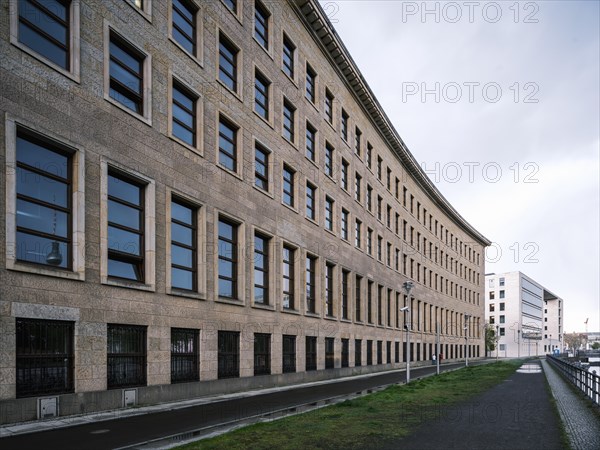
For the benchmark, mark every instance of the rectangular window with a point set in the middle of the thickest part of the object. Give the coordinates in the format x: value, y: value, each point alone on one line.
x: 345, y: 352
x: 329, y: 283
x: 358, y: 234
x: 311, y: 201
x: 311, y: 142
x: 388, y: 217
x: 329, y: 213
x: 357, y: 352
x: 501, y: 306
x: 126, y: 74
x: 311, y: 353
x: 262, y: 354
x: 44, y: 27
x: 288, y: 277
x: 289, y: 49
x: 311, y: 79
x: 345, y: 294
x: 357, y: 139
x: 44, y: 357
x: 184, y: 114
x: 357, y: 187
x: 501, y: 294
x: 329, y: 106
x: 380, y: 305
x: 388, y: 352
x: 369, y: 155
x: 261, y: 269
x: 370, y: 301
x: 379, y: 165
x: 502, y: 319
x: 311, y: 281
x: 288, y: 186
x: 389, y: 254
x: 44, y: 203
x: 261, y: 95
x: 126, y: 356
x: 228, y: 354
x: 369, y: 241
x: 231, y: 4
x: 261, y: 167
x: 184, y: 245
x: 380, y: 208
x: 379, y: 352
x: 379, y: 248
x: 329, y: 159
x: 345, y: 220
x: 184, y: 24
x: 288, y: 121
x: 501, y: 282
x: 369, y: 353
x: 358, y: 298
x: 261, y: 24
x: 228, y: 63
x: 289, y: 354
x: 345, y: 118
x: 228, y: 144
x: 228, y: 259
x: 397, y: 351
x: 185, y: 360
x: 329, y: 353
x: 345, y: 168
x: 369, y: 198
x: 125, y: 228
x: 389, y: 179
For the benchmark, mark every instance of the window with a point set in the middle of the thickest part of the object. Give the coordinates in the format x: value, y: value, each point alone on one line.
x: 369, y: 198
x: 261, y: 167
x: 228, y: 259
x: 370, y: 301
x: 185, y: 361
x: 261, y: 269
x: 369, y: 353
x: 184, y: 24
x: 262, y: 354
x: 288, y: 186
x: 379, y: 352
x: 501, y: 282
x: 329, y: 213
x: 357, y: 187
x: 329, y: 283
x: 369, y: 241
x: 289, y: 50
x: 357, y: 137
x: 389, y: 179
x: 329, y: 106
x: 502, y: 331
x: 231, y: 4
x: 311, y: 353
x: 289, y: 354
x: 501, y: 294
x: 389, y: 254
x: 228, y: 144
x: 125, y: 228
x: 369, y: 155
x: 345, y: 352
x: 345, y: 220
x: 311, y: 79
x: 492, y: 320
x: 126, y: 71
x: 311, y: 295
x: 492, y: 295
x: 184, y: 245
x: 389, y: 216
x: 44, y: 357
x: 345, y: 125
x: 345, y: 167
x: 228, y: 63
x: 261, y: 24
x: 43, y: 203
x: 228, y: 354
x: 388, y: 351
x: 492, y: 307
x: 183, y: 120
x: 379, y: 165
x: 329, y: 159
x: 126, y: 356
x: 501, y: 306
x: 379, y: 208
x: 311, y: 199
x: 358, y: 234
x: 380, y: 305
x: 357, y: 352
x: 47, y: 29
x: 261, y: 95
x: 288, y: 277
x: 345, y: 294
x: 289, y: 113
x: 311, y: 135
x: 329, y: 353
x: 491, y: 281
x: 397, y: 351
x: 502, y: 319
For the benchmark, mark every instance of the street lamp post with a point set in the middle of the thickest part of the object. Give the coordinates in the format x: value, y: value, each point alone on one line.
x: 467, y: 317
x: 408, y: 287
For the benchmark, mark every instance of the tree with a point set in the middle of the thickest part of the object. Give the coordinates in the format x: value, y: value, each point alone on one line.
x: 490, y: 338
x: 596, y: 345
x: 575, y: 341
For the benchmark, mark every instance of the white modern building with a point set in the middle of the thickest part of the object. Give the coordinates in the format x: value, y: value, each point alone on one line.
x: 527, y: 317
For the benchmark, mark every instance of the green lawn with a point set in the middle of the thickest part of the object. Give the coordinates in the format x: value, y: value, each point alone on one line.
x: 363, y: 422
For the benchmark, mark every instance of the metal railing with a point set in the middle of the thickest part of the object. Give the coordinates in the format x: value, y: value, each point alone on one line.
x: 586, y: 381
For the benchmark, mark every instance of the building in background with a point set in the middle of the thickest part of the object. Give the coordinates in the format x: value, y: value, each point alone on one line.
x: 206, y: 197
x: 527, y: 317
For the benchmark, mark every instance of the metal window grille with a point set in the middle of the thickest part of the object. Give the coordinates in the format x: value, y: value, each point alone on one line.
x: 126, y: 356
x: 329, y: 353
x: 311, y: 353
x: 389, y: 352
x: 44, y: 354
x: 345, y: 352
x: 369, y: 353
x: 289, y: 354
x: 379, y: 352
x: 229, y: 354
x: 184, y: 355
x: 262, y: 354
x: 357, y: 352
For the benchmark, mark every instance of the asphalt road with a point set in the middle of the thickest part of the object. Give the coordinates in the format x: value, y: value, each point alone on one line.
x: 126, y: 431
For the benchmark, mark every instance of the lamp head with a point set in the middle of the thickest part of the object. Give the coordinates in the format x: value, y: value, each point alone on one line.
x: 408, y: 286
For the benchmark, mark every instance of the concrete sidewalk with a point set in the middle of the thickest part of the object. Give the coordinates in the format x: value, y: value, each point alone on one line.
x: 516, y: 414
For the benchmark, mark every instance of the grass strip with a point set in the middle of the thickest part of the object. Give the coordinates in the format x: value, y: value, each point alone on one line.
x: 381, y: 417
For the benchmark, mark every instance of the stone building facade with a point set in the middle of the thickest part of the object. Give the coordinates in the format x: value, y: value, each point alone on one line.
x: 203, y: 197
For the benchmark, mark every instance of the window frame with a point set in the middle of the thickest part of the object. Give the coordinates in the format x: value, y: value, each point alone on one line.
x: 312, y: 201
x: 141, y: 356
x: 311, y: 265
x: 268, y: 255
x: 294, y: 57
x: 198, y: 39
x: 293, y: 277
x: 310, y: 91
x: 287, y: 105
x: 198, y: 146
x: 238, y: 273
x: 286, y: 340
x: 193, y: 356
x: 294, y: 182
x: 262, y: 367
x: 238, y: 144
x: 258, y: 75
x: 268, y: 167
x: 238, y: 64
x: 228, y: 360
x: 267, y: 46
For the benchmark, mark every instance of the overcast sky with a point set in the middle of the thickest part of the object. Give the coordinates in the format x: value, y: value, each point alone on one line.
x: 512, y: 139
